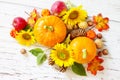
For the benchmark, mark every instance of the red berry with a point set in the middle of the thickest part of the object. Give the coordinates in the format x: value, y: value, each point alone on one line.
x: 19, y: 23
x: 91, y: 34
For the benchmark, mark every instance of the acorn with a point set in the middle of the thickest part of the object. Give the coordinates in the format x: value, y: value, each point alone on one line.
x: 99, y: 43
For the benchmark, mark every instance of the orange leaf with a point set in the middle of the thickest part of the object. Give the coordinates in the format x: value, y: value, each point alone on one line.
x: 100, y: 22
x: 95, y: 65
x: 45, y: 12
x: 105, y: 27
x: 106, y: 20
x: 91, y: 34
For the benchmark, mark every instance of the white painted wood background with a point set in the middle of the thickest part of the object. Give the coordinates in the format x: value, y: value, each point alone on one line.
x: 14, y: 66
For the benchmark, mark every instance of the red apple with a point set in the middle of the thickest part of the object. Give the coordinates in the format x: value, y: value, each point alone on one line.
x: 58, y: 6
x: 19, y: 23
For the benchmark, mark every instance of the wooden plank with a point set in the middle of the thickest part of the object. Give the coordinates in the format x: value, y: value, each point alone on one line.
x: 13, y: 56
x: 107, y: 8
x: 15, y: 66
x: 10, y: 9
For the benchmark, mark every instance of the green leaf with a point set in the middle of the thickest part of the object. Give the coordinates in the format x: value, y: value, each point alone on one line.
x: 39, y: 53
x: 36, y: 51
x: 79, y: 69
x: 28, y: 27
x: 41, y: 58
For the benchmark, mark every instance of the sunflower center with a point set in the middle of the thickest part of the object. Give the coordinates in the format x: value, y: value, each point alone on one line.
x: 73, y: 15
x: 63, y: 55
x: 26, y: 36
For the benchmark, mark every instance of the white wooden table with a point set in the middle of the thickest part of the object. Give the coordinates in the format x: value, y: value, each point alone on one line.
x: 14, y: 66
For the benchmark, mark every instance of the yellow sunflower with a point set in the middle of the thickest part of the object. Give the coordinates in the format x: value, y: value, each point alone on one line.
x: 62, y: 55
x: 74, y: 15
x: 25, y: 38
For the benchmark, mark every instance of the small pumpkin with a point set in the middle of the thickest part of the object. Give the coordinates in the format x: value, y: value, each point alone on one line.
x: 84, y: 49
x: 49, y: 30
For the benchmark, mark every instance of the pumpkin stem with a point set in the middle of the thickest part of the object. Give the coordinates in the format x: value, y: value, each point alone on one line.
x: 84, y: 53
x: 50, y: 28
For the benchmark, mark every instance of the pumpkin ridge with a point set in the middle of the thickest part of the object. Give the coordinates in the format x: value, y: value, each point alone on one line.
x: 56, y: 21
x: 50, y: 38
x: 80, y: 43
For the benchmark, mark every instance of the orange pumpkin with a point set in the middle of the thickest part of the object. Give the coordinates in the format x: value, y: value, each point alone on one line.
x: 49, y: 30
x: 84, y: 49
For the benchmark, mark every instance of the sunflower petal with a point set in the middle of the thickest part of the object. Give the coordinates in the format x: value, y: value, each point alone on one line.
x: 62, y: 55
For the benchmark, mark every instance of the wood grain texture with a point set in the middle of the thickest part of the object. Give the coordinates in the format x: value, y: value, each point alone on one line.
x: 14, y: 66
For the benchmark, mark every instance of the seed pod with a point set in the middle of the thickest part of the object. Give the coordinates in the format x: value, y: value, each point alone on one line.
x: 77, y: 32
x: 99, y: 43
x: 62, y: 69
x: 50, y: 61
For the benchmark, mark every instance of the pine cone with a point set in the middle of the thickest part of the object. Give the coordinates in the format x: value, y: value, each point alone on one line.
x: 77, y: 32
x: 50, y: 61
x: 62, y: 69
